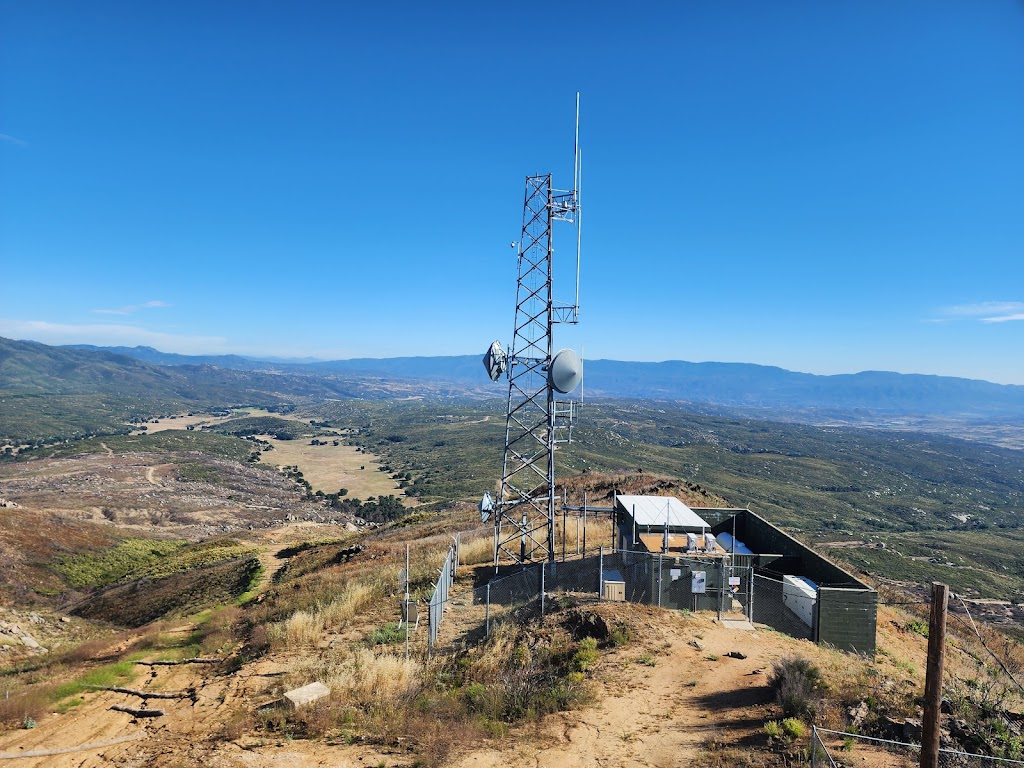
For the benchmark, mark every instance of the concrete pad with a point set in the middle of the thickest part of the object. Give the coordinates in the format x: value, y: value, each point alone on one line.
x: 307, y: 694
x: 741, y: 624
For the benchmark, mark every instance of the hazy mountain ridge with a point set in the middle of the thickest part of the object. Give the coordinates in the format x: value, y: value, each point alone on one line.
x: 745, y: 385
x: 51, y: 393
x: 156, y: 357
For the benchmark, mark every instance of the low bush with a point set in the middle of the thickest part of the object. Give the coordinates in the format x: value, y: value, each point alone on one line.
x: 585, y: 655
x: 792, y: 728
x: 798, y: 686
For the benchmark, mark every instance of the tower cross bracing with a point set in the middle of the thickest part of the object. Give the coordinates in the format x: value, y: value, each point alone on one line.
x: 534, y: 418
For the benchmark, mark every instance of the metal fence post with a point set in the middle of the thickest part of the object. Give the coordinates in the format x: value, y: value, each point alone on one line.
x: 721, y: 587
x: 814, y: 747
x: 600, y: 570
x: 661, y: 557
x: 542, y: 569
x: 750, y: 599
x: 487, y: 613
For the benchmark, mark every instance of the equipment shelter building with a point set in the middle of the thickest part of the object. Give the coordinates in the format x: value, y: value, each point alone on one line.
x: 786, y: 584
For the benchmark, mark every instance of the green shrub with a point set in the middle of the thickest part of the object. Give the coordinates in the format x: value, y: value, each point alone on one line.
x: 918, y: 627
x: 789, y: 730
x: 585, y: 656
x: 792, y: 728
x: 620, y: 634
x: 106, y: 567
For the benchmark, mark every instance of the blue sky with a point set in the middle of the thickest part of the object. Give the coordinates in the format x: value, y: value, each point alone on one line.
x: 828, y: 187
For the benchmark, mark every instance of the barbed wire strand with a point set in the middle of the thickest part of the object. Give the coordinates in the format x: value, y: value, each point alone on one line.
x: 982, y: 639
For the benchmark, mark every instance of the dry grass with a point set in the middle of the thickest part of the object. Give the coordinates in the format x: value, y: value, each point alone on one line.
x: 330, y: 467
x: 326, y: 467
x: 183, y: 421
x: 367, y: 680
x: 476, y: 551
x: 28, y: 704
x: 307, y: 627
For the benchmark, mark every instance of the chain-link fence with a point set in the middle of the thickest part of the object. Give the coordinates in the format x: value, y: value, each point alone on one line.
x: 682, y: 583
x: 439, y: 597
x: 837, y: 749
x: 788, y: 604
x: 667, y: 581
x: 784, y: 606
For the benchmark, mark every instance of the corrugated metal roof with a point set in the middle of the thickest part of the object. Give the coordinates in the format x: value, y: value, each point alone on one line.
x: 655, y: 510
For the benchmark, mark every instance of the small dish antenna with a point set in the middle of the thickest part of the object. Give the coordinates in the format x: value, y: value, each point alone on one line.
x: 565, y: 372
x: 486, y: 507
x: 495, y: 361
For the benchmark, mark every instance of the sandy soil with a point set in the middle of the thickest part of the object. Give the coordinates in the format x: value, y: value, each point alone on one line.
x: 658, y: 701
x: 182, y: 421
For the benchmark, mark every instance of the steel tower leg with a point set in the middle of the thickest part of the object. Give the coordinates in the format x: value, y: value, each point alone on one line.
x: 526, y: 503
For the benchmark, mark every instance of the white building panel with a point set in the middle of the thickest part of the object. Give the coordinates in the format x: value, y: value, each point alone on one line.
x: 800, y: 595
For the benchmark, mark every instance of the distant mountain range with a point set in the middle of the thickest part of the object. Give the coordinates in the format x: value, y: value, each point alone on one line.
x: 737, y: 385
x: 28, y: 367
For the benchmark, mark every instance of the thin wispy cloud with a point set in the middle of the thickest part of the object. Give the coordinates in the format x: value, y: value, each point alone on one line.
x: 112, y: 335
x: 133, y: 308
x: 6, y: 137
x: 1003, y: 318
x: 989, y: 311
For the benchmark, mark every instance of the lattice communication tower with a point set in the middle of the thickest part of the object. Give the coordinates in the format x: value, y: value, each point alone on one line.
x: 536, y: 420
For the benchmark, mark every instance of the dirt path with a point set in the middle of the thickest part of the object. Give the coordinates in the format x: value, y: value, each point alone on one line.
x: 656, y: 706
x: 106, y: 448
x: 271, y: 565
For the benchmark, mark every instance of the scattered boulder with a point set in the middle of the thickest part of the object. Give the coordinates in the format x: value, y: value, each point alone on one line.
x: 697, y: 644
x: 856, y: 715
x: 587, y: 624
x: 912, y: 730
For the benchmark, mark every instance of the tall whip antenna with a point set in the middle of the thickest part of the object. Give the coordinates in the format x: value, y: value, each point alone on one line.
x: 577, y: 184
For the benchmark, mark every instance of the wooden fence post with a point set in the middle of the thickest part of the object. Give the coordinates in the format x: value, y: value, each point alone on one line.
x: 933, y: 676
